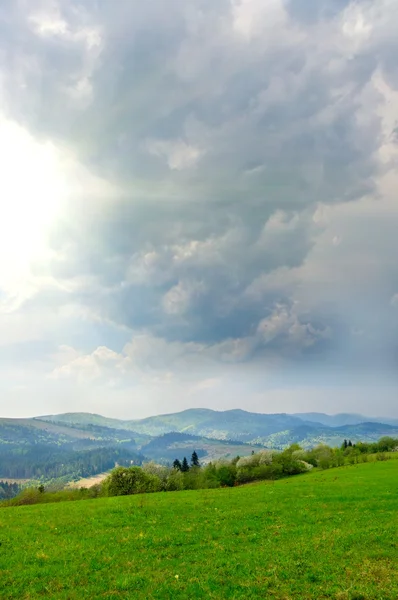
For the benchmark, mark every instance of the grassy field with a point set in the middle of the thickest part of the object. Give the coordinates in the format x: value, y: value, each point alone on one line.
x: 330, y: 534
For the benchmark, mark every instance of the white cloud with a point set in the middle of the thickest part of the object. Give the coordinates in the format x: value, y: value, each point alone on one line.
x: 254, y: 17
x: 178, y: 154
x: 178, y: 300
x: 285, y: 323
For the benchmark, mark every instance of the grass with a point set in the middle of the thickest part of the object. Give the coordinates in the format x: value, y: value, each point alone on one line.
x: 331, y: 534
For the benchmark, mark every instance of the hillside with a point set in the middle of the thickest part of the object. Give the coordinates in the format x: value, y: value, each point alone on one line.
x: 173, y: 445
x: 228, y: 425
x: 271, y: 430
x: 37, y: 449
x: 79, y: 445
x: 329, y: 534
x: 310, y: 434
x: 33, y: 449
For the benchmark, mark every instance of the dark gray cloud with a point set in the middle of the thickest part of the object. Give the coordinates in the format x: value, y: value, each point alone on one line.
x: 311, y: 11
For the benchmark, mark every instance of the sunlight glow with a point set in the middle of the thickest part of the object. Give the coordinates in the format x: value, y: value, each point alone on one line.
x: 32, y: 191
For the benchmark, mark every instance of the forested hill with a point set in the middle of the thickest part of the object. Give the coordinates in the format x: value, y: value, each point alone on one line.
x: 74, y: 445
x: 36, y: 449
x: 239, y: 425
x: 32, y: 449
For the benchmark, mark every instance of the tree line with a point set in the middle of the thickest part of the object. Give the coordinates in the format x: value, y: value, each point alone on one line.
x: 9, y: 490
x: 44, y: 463
x: 184, y: 475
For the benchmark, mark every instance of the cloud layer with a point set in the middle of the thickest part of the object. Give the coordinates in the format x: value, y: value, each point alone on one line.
x: 197, y: 192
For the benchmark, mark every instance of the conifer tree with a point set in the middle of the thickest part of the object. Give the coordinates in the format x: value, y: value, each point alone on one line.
x: 185, y: 465
x: 350, y: 443
x: 177, y: 465
x: 195, y: 459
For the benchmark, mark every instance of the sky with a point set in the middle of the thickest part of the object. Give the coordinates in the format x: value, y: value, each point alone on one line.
x: 198, y: 206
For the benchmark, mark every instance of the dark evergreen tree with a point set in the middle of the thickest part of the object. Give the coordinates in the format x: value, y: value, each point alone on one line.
x: 177, y: 465
x: 345, y: 444
x: 349, y: 443
x: 195, y: 459
x: 185, y: 465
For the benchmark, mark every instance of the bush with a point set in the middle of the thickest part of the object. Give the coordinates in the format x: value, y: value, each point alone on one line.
x: 175, y: 481
x: 124, y: 481
x: 381, y: 456
x: 306, y: 465
x: 324, y: 462
x: 263, y: 472
x: 27, y: 496
x: 226, y: 474
x: 244, y: 474
x: 35, y: 496
x: 385, y: 444
x: 209, y: 474
x: 160, y: 471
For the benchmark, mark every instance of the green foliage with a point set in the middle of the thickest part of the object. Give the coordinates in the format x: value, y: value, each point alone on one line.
x: 175, y: 481
x: 226, y: 474
x: 131, y: 480
x: 263, y: 465
x: 35, y: 496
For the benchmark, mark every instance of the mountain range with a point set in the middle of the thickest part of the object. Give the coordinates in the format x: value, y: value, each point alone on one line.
x: 242, y: 426
x: 73, y: 445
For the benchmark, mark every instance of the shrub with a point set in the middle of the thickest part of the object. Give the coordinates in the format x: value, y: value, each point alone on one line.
x: 381, y: 456
x: 262, y: 472
x: 124, y: 481
x: 175, y: 481
x: 265, y: 457
x: 244, y: 474
x: 27, y: 496
x: 385, y: 444
x: 324, y: 462
x: 247, y: 461
x: 226, y: 474
x: 209, y: 474
x: 160, y: 471
x: 306, y: 465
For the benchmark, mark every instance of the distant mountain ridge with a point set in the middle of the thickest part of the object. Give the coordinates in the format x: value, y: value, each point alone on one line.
x: 234, y: 424
x: 343, y: 419
x: 74, y: 445
x: 243, y: 426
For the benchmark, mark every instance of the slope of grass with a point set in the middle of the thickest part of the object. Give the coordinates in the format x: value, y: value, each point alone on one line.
x: 329, y: 534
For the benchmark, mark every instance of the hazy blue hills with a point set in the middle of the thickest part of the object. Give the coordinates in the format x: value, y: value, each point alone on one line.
x: 243, y: 426
x: 73, y: 445
x: 343, y: 419
x: 236, y: 425
x: 67, y: 450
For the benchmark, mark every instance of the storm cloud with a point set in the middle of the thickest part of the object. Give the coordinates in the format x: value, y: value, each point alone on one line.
x: 227, y: 175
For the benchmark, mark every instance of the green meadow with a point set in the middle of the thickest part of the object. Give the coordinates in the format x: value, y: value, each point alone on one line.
x: 325, y: 534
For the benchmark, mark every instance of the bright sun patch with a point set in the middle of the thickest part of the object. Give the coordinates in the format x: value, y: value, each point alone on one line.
x: 32, y: 191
